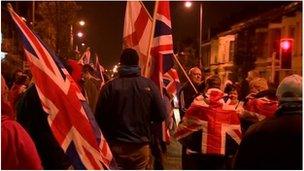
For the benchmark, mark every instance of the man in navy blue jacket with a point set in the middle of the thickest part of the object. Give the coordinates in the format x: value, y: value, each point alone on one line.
x: 126, y: 109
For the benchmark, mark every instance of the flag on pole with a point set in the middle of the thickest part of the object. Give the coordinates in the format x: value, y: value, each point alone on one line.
x: 161, y: 54
x: 99, y: 70
x: 161, y: 58
x: 85, y: 58
x: 137, y: 30
x: 171, y: 82
x: 70, y: 119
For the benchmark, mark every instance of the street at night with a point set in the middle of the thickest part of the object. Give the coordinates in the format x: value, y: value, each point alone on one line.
x: 151, y: 85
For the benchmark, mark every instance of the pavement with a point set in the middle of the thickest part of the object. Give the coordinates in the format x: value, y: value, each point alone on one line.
x: 172, y: 158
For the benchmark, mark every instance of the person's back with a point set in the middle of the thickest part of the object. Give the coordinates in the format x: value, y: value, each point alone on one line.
x: 276, y: 143
x: 32, y: 117
x: 126, y: 109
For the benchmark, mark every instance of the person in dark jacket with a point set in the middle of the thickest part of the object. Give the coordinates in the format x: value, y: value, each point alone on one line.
x: 186, y: 96
x: 33, y: 118
x: 276, y: 143
x: 126, y: 109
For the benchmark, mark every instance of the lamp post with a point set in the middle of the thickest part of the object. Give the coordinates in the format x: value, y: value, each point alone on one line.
x: 79, y: 34
x: 188, y: 4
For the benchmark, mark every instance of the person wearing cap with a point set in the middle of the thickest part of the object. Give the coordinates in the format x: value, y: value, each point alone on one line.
x: 126, y: 109
x: 276, y: 143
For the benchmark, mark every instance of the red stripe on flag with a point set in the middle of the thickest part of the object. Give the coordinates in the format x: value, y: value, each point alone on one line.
x: 91, y: 158
x: 163, y: 9
x: 140, y: 25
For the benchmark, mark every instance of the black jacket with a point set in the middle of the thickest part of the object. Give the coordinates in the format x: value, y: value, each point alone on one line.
x: 274, y: 143
x: 32, y: 117
x: 127, y: 106
x: 186, y: 96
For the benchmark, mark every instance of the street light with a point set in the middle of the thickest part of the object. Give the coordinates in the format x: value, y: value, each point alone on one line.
x: 82, y: 44
x: 188, y: 4
x: 81, y: 22
x: 80, y: 34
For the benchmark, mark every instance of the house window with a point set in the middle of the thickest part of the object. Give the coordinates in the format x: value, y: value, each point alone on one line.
x: 231, y: 50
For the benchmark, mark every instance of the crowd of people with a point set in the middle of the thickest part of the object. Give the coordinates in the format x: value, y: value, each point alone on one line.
x: 131, y: 114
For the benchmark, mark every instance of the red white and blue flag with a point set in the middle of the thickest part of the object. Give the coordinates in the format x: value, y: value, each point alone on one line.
x: 70, y: 117
x: 85, y: 58
x: 161, y: 59
x: 171, y: 82
x: 216, y: 119
x: 161, y: 55
x: 99, y: 70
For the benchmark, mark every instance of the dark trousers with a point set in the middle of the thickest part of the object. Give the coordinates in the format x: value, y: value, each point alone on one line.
x: 131, y: 156
x: 202, y: 162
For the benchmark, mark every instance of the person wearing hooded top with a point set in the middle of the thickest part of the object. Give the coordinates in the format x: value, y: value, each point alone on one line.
x: 276, y: 143
x: 127, y: 107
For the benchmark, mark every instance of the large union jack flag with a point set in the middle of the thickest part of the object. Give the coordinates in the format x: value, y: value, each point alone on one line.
x: 216, y: 119
x: 70, y: 118
x: 161, y: 55
x: 161, y: 60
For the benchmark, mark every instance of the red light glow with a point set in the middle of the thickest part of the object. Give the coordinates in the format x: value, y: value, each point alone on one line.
x: 285, y: 45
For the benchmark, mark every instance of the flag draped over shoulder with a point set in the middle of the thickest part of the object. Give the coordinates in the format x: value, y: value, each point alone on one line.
x: 137, y: 31
x: 216, y: 120
x: 70, y: 119
x: 262, y: 107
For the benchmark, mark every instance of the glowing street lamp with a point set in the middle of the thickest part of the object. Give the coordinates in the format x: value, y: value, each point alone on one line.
x: 81, y: 22
x: 82, y: 44
x: 80, y: 34
x: 188, y: 4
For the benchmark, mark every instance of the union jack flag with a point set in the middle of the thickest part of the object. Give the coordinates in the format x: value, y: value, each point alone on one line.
x: 99, y: 70
x: 171, y: 82
x: 160, y: 60
x: 70, y: 118
x: 85, y: 58
x: 137, y: 31
x: 216, y: 119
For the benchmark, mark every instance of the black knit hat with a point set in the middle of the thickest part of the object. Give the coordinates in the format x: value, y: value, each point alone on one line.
x: 129, y: 57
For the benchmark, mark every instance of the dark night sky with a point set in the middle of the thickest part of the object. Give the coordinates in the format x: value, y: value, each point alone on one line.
x: 105, y: 21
